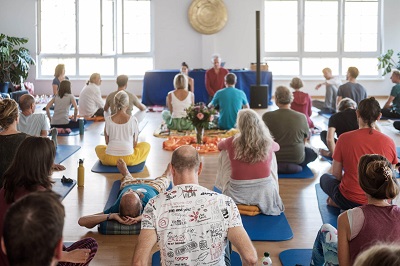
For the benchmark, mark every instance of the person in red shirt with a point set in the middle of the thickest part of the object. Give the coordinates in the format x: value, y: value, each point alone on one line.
x: 215, y: 77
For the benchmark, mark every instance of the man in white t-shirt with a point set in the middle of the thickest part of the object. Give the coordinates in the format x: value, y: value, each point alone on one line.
x: 191, y: 223
x: 29, y: 122
x: 90, y: 102
x: 331, y: 84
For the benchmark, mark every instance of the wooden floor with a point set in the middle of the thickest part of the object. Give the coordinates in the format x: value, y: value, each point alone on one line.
x: 298, y: 195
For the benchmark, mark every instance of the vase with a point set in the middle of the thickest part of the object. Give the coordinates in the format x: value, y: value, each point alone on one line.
x: 199, y: 134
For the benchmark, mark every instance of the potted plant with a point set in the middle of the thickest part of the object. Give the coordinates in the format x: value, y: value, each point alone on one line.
x: 15, y: 61
x: 387, y: 63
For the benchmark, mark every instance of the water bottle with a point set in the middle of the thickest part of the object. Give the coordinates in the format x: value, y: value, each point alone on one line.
x: 266, y: 260
x: 81, y: 174
x: 81, y: 126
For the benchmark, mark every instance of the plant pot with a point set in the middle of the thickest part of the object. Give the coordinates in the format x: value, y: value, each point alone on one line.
x: 4, y: 87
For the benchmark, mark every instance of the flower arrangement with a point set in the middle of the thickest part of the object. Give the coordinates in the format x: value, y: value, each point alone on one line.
x: 200, y: 115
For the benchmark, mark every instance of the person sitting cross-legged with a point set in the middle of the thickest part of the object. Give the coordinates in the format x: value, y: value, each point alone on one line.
x: 229, y: 101
x: 133, y: 196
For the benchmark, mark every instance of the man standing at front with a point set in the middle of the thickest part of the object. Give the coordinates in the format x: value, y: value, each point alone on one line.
x: 191, y: 223
x: 229, y: 101
x: 215, y: 77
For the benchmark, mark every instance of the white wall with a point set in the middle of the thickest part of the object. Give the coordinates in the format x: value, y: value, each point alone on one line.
x: 175, y: 40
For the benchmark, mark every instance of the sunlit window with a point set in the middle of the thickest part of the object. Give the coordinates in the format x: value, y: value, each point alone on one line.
x: 110, y: 37
x: 322, y: 33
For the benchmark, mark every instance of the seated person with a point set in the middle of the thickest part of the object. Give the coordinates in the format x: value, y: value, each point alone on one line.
x: 247, y: 165
x: 185, y: 71
x: 343, y: 121
x: 121, y: 134
x: 351, y: 89
x: 31, y: 123
x: 342, y: 185
x: 122, y: 82
x: 362, y: 227
x: 90, y: 100
x: 62, y: 104
x: 290, y: 130
x: 33, y: 228
x: 301, y: 101
x: 215, y: 76
x: 34, y: 174
x: 379, y: 254
x: 59, y: 75
x: 392, y: 106
x: 331, y: 86
x: 178, y: 101
x: 229, y: 101
x: 132, y: 198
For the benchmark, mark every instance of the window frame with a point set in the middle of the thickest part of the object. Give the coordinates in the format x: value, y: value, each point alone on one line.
x: 119, y: 48
x: 340, y: 53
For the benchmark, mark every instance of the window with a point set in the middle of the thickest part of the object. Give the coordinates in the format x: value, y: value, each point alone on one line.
x: 314, y: 34
x: 110, y: 37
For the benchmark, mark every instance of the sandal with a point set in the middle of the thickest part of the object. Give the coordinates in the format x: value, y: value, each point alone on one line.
x: 66, y: 180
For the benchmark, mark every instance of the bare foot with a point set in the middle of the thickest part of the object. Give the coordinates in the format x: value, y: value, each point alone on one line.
x: 325, y: 153
x: 121, y: 165
x: 330, y: 202
x: 58, y: 167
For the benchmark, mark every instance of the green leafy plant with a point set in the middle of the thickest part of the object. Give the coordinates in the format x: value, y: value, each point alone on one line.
x: 386, y: 62
x: 15, y: 60
x: 200, y: 115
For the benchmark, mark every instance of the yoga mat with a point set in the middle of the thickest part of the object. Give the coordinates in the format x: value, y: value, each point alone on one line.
x: 389, y: 118
x: 98, y: 167
x: 65, y: 151
x: 306, y: 173
x: 62, y: 189
x: 398, y: 152
x: 325, y: 115
x: 329, y: 214
x: 235, y: 259
x: 75, y: 131
x: 292, y: 257
x: 266, y: 227
x: 328, y: 159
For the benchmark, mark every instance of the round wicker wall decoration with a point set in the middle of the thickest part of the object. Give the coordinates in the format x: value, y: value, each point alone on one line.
x: 208, y: 16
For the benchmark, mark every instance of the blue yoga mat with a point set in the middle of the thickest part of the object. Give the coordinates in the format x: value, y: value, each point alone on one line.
x: 328, y: 159
x: 266, y: 227
x: 306, y: 173
x: 98, y: 167
x: 113, y: 194
x: 398, y: 152
x: 62, y: 189
x: 235, y: 259
x: 75, y: 131
x: 326, y: 115
x: 292, y: 257
x: 65, y: 151
x: 329, y: 214
x: 391, y: 118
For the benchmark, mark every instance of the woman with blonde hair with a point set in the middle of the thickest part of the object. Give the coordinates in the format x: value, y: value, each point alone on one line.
x: 121, y: 135
x: 10, y: 137
x: 62, y: 104
x: 247, y: 166
x: 90, y: 101
x: 178, y: 101
x: 59, y: 75
x: 362, y: 227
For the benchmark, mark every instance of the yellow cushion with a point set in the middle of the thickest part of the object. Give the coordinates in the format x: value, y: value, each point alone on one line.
x: 248, y: 210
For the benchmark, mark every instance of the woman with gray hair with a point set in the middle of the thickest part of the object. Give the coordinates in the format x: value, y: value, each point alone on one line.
x: 248, y: 169
x: 290, y: 129
x: 343, y: 121
x: 121, y: 135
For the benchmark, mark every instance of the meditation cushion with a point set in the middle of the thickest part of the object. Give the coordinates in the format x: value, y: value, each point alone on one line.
x: 248, y: 210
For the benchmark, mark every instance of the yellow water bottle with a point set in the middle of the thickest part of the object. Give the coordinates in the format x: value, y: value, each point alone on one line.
x: 81, y: 174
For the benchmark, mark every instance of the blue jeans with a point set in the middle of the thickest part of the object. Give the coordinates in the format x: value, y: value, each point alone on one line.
x: 325, y: 247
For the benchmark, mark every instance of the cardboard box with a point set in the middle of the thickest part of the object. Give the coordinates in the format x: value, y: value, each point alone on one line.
x: 263, y: 67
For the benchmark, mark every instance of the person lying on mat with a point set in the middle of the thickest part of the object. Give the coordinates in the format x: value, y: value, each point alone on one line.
x: 362, y: 227
x: 247, y: 169
x: 121, y: 134
x: 62, y: 104
x: 290, y: 130
x: 133, y: 196
x: 194, y: 222
x: 342, y: 185
x: 343, y: 121
x: 229, y: 101
x: 178, y: 101
x: 33, y: 228
x: 30, y: 171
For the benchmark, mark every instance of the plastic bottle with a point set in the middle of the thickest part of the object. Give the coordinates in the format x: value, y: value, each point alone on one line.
x: 81, y: 174
x: 81, y: 126
x: 266, y: 260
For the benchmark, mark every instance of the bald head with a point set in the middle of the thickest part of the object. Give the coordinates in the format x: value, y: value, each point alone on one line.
x: 130, y: 205
x: 25, y: 102
x: 185, y: 158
